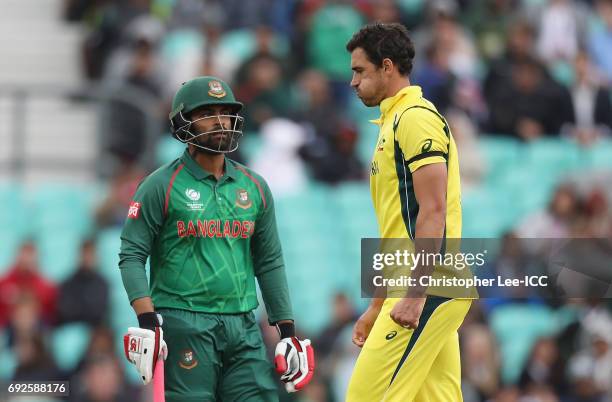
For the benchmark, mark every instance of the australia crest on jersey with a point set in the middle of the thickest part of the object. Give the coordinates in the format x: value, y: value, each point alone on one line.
x: 188, y: 360
x: 242, y: 199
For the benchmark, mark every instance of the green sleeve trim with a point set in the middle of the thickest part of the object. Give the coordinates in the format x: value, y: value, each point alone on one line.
x: 139, y: 233
x: 275, y: 293
x: 134, y: 280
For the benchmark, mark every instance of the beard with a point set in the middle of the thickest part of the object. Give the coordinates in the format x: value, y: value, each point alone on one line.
x: 216, y: 143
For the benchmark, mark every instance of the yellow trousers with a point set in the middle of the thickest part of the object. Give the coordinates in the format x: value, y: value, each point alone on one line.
x: 423, y: 365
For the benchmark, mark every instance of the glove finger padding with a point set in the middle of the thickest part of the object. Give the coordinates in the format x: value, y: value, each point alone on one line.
x: 294, y: 361
x: 143, y: 347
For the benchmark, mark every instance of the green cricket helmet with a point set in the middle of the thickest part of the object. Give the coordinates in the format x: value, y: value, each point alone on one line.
x: 199, y: 93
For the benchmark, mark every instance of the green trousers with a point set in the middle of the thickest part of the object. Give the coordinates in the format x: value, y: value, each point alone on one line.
x: 216, y: 357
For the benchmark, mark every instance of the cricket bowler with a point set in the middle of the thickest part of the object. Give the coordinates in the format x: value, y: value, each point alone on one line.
x: 410, y: 346
x: 208, y: 225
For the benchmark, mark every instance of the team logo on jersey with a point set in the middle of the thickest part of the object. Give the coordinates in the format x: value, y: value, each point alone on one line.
x: 380, y: 145
x: 242, y: 199
x: 188, y: 360
x: 192, y: 194
x: 133, y: 210
x: 216, y: 89
x: 391, y: 335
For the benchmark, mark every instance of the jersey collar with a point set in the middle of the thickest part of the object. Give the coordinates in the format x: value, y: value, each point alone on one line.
x: 199, y: 173
x: 409, y: 92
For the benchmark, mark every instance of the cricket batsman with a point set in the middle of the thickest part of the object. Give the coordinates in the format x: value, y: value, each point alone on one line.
x: 410, y: 346
x: 208, y: 225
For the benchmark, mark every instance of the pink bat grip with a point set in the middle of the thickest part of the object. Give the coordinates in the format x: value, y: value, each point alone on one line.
x: 158, y: 382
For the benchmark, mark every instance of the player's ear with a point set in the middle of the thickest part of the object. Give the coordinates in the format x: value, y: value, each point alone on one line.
x: 387, y: 65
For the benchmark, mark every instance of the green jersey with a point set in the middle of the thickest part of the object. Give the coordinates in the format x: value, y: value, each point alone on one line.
x: 208, y: 240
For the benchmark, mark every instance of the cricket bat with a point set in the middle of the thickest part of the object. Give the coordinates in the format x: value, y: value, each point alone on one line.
x: 158, y: 382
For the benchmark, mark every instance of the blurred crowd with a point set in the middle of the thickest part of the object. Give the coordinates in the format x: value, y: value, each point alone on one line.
x: 521, y: 68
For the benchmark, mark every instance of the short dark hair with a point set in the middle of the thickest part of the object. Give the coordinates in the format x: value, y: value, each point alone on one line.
x: 381, y: 41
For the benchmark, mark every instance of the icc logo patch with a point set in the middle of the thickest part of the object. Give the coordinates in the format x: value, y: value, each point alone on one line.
x: 192, y: 194
x: 242, y: 199
x: 188, y: 360
x: 216, y: 89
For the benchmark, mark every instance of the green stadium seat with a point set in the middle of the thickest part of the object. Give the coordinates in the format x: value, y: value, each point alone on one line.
x: 241, y: 44
x: 108, y: 245
x: 68, y: 343
x: 599, y: 155
x: 58, y: 254
x: 168, y: 149
x: 64, y: 207
x: 551, y: 154
x: 485, y: 214
x: 501, y: 155
x: 8, y: 362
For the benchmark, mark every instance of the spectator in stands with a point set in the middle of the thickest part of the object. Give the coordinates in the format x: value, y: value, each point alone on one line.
x: 102, y: 380
x: 34, y: 362
x: 101, y: 343
x: 562, y: 26
x: 544, y: 367
x: 507, y: 394
x: 25, y: 318
x: 556, y: 221
x: 471, y: 163
x: 315, y: 108
x: 600, y: 39
x: 591, y: 101
x: 281, y: 141
x: 262, y: 89
x: 84, y: 296
x: 343, y: 314
x: 532, y: 106
x: 434, y: 76
x: 519, y: 46
x: 596, y: 220
x: 332, y: 25
x: 335, y: 161
x: 385, y: 11
x: 480, y: 360
x: 489, y: 22
x: 25, y: 278
x: 109, y: 18
x: 450, y: 37
x: 134, y: 80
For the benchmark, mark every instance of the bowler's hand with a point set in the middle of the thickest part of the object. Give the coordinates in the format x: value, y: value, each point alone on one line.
x: 364, y: 325
x: 407, y: 312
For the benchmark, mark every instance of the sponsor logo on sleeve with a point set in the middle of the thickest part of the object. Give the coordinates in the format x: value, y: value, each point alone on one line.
x: 134, y: 210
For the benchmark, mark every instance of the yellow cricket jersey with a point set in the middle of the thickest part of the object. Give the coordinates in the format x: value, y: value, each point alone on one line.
x: 413, y: 134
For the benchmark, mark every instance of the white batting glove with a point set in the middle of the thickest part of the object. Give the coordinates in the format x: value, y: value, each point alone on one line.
x: 294, y: 361
x: 143, y: 347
